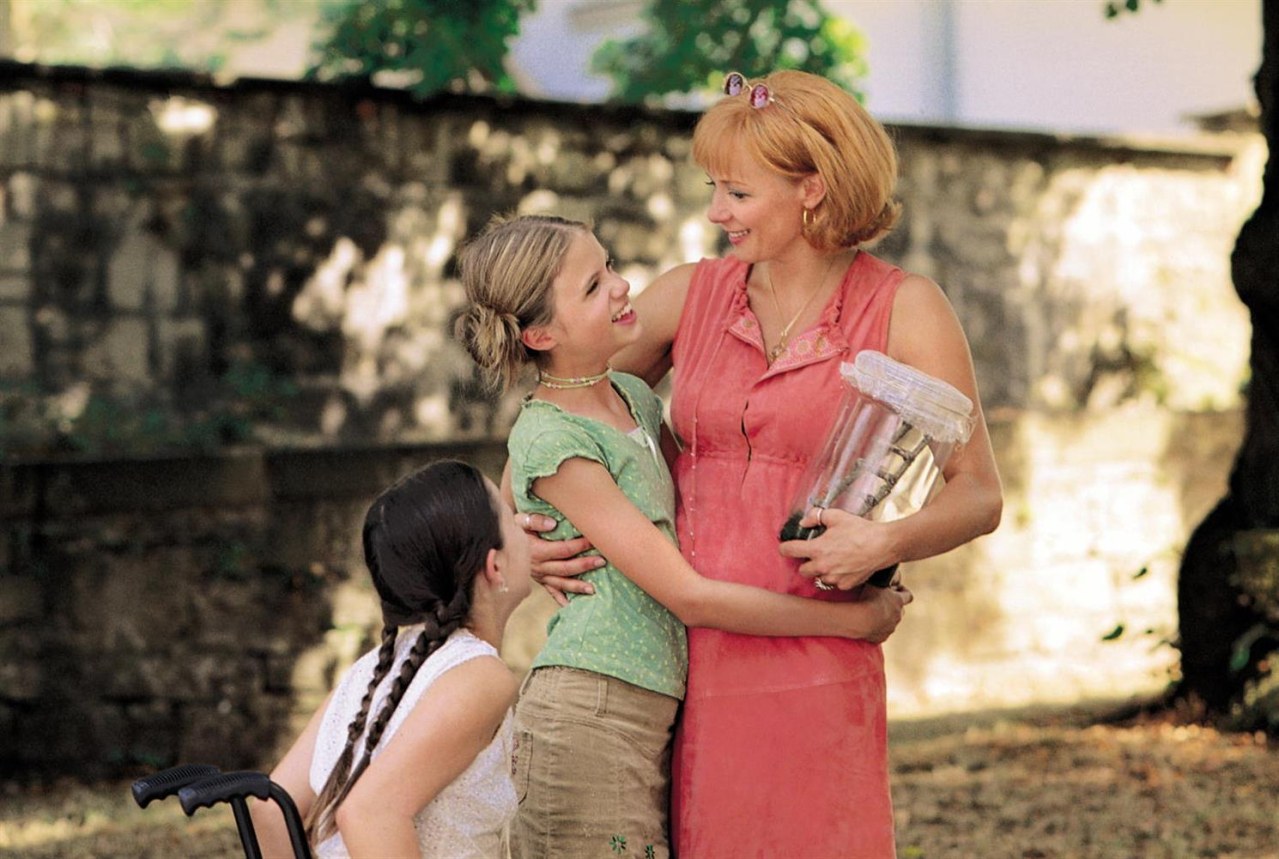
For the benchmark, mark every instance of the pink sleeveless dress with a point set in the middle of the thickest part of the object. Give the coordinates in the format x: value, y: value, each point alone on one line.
x: 782, y: 747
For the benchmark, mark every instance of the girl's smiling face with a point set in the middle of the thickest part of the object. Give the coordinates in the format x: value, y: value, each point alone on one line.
x: 593, y: 317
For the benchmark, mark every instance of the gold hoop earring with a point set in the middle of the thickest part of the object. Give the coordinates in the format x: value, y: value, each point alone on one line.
x: 807, y: 219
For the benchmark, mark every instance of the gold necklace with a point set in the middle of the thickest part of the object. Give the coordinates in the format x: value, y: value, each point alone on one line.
x: 780, y: 346
x: 559, y: 383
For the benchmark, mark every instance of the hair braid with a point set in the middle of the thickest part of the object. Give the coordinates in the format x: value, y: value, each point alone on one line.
x: 446, y: 619
x: 492, y: 338
x: 428, y: 641
x: 425, y: 542
x: 319, y: 823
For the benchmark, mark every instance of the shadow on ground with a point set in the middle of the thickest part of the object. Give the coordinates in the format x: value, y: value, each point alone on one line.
x: 1050, y: 784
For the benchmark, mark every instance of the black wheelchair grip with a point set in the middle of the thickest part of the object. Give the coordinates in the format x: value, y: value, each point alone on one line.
x: 166, y: 783
x: 223, y: 788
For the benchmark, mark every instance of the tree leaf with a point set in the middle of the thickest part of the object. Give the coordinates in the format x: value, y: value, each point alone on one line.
x: 690, y: 45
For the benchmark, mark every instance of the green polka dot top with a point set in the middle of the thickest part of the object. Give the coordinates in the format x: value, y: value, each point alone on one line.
x: 619, y: 631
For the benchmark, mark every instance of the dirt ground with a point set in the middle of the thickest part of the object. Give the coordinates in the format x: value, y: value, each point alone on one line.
x: 1053, y: 786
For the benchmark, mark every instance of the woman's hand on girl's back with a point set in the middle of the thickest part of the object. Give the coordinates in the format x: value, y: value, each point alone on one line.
x: 556, y: 564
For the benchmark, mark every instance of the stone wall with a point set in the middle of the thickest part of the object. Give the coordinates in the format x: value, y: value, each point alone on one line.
x: 184, y: 609
x: 184, y: 264
x: 179, y: 258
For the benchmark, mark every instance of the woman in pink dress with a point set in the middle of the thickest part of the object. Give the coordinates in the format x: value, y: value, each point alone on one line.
x: 782, y: 747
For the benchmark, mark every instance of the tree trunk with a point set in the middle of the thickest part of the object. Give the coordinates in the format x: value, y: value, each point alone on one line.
x: 1214, y: 611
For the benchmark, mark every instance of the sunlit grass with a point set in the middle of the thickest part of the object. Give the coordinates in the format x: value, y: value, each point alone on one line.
x: 1052, y: 788
x: 102, y: 820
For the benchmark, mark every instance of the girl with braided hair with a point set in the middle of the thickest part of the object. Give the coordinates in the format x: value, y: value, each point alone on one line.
x: 595, y: 715
x: 410, y: 755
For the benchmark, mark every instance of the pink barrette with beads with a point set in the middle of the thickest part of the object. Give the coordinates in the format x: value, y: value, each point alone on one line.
x: 735, y: 83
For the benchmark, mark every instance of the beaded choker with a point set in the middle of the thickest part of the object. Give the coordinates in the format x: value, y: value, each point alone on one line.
x: 562, y: 383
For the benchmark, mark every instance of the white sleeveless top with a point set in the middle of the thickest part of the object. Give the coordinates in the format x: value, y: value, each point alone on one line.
x: 469, y: 819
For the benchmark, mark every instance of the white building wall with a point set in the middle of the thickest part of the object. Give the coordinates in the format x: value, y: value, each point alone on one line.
x: 1055, y: 65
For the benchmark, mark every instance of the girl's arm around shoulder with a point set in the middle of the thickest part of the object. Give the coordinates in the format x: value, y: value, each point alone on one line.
x: 453, y: 721
x: 659, y: 308
x: 585, y: 492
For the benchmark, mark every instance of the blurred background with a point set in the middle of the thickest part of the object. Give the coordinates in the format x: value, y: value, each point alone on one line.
x: 227, y: 244
x: 1054, y: 66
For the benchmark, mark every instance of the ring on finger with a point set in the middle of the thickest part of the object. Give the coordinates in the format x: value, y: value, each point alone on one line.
x: 822, y: 586
x: 821, y: 511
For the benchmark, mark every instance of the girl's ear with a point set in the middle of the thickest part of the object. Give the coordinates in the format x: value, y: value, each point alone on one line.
x: 492, y: 571
x: 812, y: 190
x: 538, y: 338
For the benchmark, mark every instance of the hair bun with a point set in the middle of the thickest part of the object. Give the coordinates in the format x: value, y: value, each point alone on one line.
x: 492, y: 337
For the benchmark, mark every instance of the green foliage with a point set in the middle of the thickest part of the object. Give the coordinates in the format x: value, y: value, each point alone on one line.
x: 692, y: 44
x: 1241, y: 656
x: 144, y: 33
x: 434, y: 44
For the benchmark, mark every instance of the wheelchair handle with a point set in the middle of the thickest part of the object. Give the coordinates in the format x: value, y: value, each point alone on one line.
x: 166, y: 783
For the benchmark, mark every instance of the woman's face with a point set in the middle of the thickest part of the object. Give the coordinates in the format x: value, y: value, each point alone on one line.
x: 593, y: 315
x: 760, y: 210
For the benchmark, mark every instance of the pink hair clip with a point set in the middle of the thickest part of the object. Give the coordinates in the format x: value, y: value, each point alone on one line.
x: 735, y: 84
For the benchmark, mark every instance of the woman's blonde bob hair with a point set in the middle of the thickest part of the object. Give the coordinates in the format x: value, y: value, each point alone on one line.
x: 811, y: 126
x: 508, y: 271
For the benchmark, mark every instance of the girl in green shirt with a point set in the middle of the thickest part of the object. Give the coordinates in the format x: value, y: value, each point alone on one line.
x: 595, y: 715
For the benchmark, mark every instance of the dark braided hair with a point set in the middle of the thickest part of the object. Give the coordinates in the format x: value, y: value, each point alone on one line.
x: 425, y: 540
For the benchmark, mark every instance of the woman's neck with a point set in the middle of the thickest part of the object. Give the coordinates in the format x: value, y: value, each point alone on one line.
x: 796, y: 277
